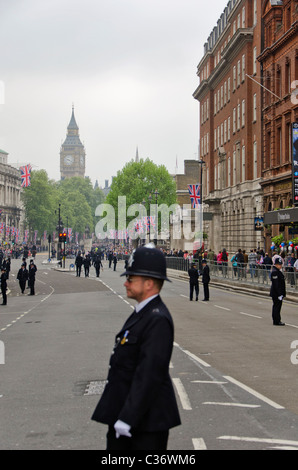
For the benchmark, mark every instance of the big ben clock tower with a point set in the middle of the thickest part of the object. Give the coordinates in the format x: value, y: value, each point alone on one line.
x: 72, y: 153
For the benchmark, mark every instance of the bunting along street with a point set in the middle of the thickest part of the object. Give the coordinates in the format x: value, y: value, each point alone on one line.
x: 235, y: 375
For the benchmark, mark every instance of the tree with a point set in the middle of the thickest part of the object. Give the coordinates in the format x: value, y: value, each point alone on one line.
x: 136, y: 181
x: 40, y: 201
x: 76, y: 195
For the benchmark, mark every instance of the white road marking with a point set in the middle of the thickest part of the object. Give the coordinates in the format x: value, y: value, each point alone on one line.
x: 182, y: 394
x: 199, y: 444
x: 213, y: 382
x: 260, y: 440
x: 250, y: 315
x: 196, y: 358
x: 255, y: 393
x: 237, y: 405
x: 222, y: 308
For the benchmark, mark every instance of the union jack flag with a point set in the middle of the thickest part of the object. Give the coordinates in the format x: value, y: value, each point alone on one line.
x: 195, y: 195
x: 26, y: 175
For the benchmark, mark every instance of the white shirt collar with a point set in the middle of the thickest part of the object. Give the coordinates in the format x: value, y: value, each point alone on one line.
x: 142, y: 304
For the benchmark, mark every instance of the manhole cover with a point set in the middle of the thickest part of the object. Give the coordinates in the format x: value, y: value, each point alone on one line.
x: 95, y: 387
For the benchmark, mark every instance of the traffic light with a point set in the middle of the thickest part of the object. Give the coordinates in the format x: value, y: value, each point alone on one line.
x: 62, y: 237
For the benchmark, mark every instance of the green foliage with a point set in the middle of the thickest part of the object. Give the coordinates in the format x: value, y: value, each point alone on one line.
x: 137, y: 180
x: 76, y: 195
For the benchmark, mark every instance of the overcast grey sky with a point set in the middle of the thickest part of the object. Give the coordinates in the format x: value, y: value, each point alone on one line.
x: 129, y: 67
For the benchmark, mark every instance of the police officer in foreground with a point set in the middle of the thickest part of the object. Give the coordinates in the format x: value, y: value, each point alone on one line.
x: 277, y: 291
x: 138, y: 403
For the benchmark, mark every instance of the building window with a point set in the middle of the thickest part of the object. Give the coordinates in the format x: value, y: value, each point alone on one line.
x: 238, y: 73
x: 278, y: 82
x: 229, y: 128
x: 278, y: 145
x: 255, y: 12
x: 238, y: 116
x: 255, y: 156
x: 243, y: 113
x: 215, y: 103
x: 288, y: 78
x: 243, y: 17
x: 243, y: 67
x: 234, y: 120
x: 215, y: 140
x: 225, y: 93
x: 234, y: 78
x: 268, y: 150
x: 255, y: 61
x: 243, y: 163
x: 229, y: 89
x: 288, y: 141
x: 225, y: 131
x: 229, y: 171
x: 255, y: 107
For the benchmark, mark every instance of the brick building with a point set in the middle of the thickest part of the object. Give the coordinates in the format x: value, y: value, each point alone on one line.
x: 229, y: 94
x: 279, y: 61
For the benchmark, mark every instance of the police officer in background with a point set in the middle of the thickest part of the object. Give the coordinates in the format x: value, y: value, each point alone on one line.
x: 138, y: 402
x: 3, y: 286
x: 277, y: 291
x: 193, y: 281
x: 205, y: 280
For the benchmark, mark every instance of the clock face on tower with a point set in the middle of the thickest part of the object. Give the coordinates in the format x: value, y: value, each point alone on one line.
x: 82, y: 161
x: 68, y: 160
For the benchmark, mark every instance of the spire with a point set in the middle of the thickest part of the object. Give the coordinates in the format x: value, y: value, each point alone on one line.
x: 72, y: 124
x: 137, y: 156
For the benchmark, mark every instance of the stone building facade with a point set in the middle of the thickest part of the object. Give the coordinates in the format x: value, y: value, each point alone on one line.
x: 230, y: 127
x: 10, y: 194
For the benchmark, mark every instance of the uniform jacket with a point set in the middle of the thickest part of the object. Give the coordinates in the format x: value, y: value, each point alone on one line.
x: 3, y: 282
x: 278, y: 286
x: 22, y: 274
x: 193, y: 275
x: 205, y: 275
x: 32, y: 272
x: 139, y: 389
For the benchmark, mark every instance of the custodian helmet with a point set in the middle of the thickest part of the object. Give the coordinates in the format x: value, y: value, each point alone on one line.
x: 148, y: 262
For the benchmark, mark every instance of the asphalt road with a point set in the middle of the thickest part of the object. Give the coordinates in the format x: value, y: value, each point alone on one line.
x: 234, y: 373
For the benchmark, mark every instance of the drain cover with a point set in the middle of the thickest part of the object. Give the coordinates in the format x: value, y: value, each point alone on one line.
x: 95, y: 387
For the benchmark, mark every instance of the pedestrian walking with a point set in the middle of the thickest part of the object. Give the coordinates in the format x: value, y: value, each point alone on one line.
x: 87, y: 264
x: 31, y: 276
x: 277, y: 291
x: 193, y: 281
x: 22, y: 277
x: 138, y: 403
x: 3, y: 286
x: 205, y: 280
x: 97, y: 265
x: 78, y: 263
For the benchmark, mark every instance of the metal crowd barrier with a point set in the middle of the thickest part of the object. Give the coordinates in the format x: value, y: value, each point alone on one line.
x: 245, y: 273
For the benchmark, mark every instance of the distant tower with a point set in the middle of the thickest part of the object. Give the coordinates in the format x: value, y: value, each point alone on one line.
x: 72, y: 153
x: 137, y: 156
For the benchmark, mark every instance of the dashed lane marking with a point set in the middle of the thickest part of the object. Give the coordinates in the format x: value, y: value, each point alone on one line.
x: 237, y: 405
x: 254, y: 393
x: 199, y: 444
x: 182, y: 394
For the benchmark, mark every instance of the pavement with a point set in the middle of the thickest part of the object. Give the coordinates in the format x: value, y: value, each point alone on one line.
x: 235, y: 375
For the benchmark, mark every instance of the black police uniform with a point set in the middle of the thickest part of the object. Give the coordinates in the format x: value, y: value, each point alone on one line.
x: 139, y: 391
x: 193, y: 282
x: 205, y: 281
x: 22, y: 278
x: 278, y: 289
x: 4, y: 287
